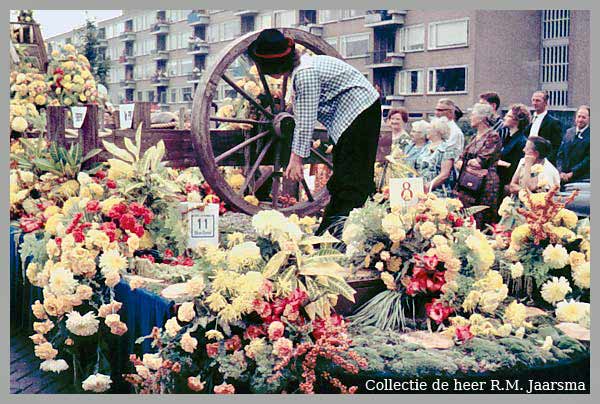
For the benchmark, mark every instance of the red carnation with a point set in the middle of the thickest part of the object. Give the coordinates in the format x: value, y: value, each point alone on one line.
x: 253, y: 331
x: 127, y: 222
x: 111, y: 184
x: 138, y: 229
x: 463, y: 332
x: 234, y: 343
x: 212, y: 350
x: 101, y: 174
x: 92, y: 206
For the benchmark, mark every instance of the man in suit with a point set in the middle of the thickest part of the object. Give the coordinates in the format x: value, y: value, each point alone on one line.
x: 574, y: 154
x: 544, y: 124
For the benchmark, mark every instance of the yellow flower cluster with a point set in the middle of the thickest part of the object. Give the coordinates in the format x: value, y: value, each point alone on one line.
x: 76, y: 85
x: 556, y: 256
x: 555, y: 289
x: 483, y: 252
x: 487, y: 293
x: 233, y: 293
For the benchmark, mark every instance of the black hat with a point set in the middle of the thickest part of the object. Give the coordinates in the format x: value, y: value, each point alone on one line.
x: 271, y: 47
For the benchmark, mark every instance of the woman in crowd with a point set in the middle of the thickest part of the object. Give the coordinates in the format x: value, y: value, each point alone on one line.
x: 415, y: 148
x: 397, y: 119
x: 515, y: 121
x: 478, y: 181
x: 534, y: 171
x: 437, y: 160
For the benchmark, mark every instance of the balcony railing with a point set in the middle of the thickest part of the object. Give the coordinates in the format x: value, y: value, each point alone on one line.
x: 194, y: 76
x: 378, y: 18
x: 160, y: 80
x: 160, y: 54
x: 127, y: 35
x: 386, y: 58
x: 127, y: 59
x: 160, y: 27
x: 197, y: 46
x: 128, y: 83
x: 198, y: 17
x: 102, y: 42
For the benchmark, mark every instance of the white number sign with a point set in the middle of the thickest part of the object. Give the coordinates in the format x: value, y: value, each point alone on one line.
x: 202, y: 224
x: 404, y: 191
x: 126, y: 115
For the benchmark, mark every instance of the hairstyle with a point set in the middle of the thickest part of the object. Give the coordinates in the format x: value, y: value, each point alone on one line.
x: 491, y: 97
x: 484, y: 111
x: 544, y: 93
x: 541, y: 145
x: 456, y: 111
x: 402, y: 111
x: 421, y: 126
x: 521, y: 114
x: 290, y: 62
x: 440, y: 125
x: 584, y: 107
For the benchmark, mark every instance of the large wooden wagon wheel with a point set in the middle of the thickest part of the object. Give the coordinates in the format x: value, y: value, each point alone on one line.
x: 262, y: 149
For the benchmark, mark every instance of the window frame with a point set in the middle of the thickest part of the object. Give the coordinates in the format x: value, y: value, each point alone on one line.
x: 404, y: 73
x: 435, y: 24
x: 320, y: 21
x: 342, y: 45
x: 429, y: 69
x: 403, y: 38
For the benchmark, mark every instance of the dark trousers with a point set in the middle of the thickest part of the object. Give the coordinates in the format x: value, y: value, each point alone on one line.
x: 353, y: 166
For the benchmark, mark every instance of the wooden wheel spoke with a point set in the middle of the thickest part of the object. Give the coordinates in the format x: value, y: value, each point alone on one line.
x: 247, y: 96
x: 276, y: 178
x: 259, y: 159
x: 238, y: 120
x: 240, y: 146
x: 322, y: 158
x: 307, y: 190
x: 263, y: 178
x: 263, y: 80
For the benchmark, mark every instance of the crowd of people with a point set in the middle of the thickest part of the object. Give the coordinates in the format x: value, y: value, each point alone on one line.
x: 505, y: 154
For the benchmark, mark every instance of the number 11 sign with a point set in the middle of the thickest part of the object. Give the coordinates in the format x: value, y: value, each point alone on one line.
x: 202, y: 224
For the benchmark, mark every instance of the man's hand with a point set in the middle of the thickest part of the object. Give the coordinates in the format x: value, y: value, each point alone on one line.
x: 295, y: 168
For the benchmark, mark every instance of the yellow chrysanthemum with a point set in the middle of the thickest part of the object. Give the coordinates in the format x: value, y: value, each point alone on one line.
x: 556, y: 256
x: 515, y: 314
x: 571, y: 311
x: 555, y: 289
x: 214, y: 335
x: 112, y: 260
x: 581, y: 275
x: 566, y: 218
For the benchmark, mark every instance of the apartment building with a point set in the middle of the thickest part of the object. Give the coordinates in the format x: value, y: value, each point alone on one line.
x: 414, y: 57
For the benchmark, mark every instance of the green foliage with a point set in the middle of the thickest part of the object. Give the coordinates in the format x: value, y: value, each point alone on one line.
x: 489, y: 353
x: 384, y: 311
x: 100, y: 66
x: 33, y: 247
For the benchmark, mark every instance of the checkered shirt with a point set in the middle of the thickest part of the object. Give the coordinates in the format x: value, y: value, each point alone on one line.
x: 330, y: 91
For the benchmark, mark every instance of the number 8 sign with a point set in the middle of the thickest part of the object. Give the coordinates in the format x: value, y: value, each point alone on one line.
x: 404, y: 191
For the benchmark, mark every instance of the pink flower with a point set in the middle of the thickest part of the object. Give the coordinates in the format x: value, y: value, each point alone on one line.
x: 276, y: 329
x: 463, y: 332
x: 437, y: 311
x: 212, y: 350
x: 283, y: 347
x: 224, y: 389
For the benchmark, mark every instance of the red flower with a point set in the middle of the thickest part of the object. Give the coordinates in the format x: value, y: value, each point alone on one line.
x: 148, y: 216
x: 191, y: 188
x: 29, y: 224
x: 212, y: 350
x: 78, y: 235
x: 117, y: 211
x: 148, y: 257
x: 110, y: 228
x: 127, y: 222
x: 137, y: 209
x: 92, y: 206
x: 319, y: 324
x: 253, y: 331
x: 101, y: 174
x: 234, y: 343
x: 430, y: 262
x: 437, y: 311
x: 212, y: 198
x: 168, y: 253
x: 111, y: 184
x: 138, y: 229
x: 463, y: 332
x: 262, y: 308
x: 224, y: 389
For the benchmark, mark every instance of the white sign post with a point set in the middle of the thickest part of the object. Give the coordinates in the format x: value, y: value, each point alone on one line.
x: 78, y: 114
x: 404, y: 191
x: 126, y: 115
x: 202, y: 223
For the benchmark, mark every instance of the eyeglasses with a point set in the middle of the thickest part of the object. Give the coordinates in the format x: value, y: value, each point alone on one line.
x: 442, y: 109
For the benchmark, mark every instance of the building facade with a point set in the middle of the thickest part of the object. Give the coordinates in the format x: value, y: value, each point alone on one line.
x: 414, y: 57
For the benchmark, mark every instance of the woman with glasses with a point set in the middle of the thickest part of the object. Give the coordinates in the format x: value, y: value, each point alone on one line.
x: 446, y: 108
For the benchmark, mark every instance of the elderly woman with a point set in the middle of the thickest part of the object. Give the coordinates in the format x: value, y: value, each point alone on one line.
x: 415, y: 148
x: 515, y: 122
x: 397, y: 119
x: 436, y: 161
x: 534, y: 171
x: 478, y: 181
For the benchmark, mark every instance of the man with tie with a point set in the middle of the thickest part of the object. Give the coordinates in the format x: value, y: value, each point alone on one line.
x: 544, y: 124
x: 574, y: 154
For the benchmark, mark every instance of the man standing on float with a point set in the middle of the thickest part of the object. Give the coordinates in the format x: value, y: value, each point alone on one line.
x: 330, y: 91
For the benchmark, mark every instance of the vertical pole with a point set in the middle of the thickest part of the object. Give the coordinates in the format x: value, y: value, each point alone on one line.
x: 141, y: 114
x: 55, y: 124
x: 88, y: 134
x: 181, y: 118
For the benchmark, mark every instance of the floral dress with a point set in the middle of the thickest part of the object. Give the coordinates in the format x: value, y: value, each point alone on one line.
x: 487, y: 150
x: 429, y: 166
x: 414, y: 153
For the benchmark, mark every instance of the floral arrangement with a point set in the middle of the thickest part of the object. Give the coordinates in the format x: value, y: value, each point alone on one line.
x: 70, y: 79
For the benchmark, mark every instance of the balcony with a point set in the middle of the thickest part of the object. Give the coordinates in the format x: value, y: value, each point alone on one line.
x: 198, y: 47
x: 160, y: 54
x: 160, y: 80
x: 385, y: 18
x: 102, y: 43
x: 315, y: 29
x: 127, y: 60
x: 385, y: 59
x: 160, y: 28
x: 245, y: 13
x: 128, y: 83
x: 127, y: 36
x: 194, y: 77
x: 198, y: 17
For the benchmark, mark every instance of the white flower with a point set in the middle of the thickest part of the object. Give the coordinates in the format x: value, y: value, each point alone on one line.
x: 62, y: 281
x: 556, y: 256
x: 547, y: 345
x: 83, y: 178
x: 516, y: 270
x: 82, y: 325
x: 152, y: 361
x: 352, y: 232
x: 97, y: 383
x: 571, y: 311
x: 266, y: 222
x: 581, y: 275
x: 112, y: 260
x: 53, y: 365
x: 244, y: 254
x: 555, y: 290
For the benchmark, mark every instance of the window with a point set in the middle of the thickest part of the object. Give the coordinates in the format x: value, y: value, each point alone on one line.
x: 213, y: 33
x: 353, y: 13
x: 150, y: 95
x: 328, y: 15
x: 173, y: 93
x: 139, y: 96
x: 230, y: 29
x: 411, y: 82
x: 137, y: 74
x: 448, y: 34
x: 555, y: 64
x: 186, y: 94
x: 285, y: 18
x: 264, y: 21
x: 556, y: 24
x: 354, y: 45
x: 447, y: 80
x: 186, y: 67
x: 558, y: 98
x: 333, y: 41
x: 412, y: 38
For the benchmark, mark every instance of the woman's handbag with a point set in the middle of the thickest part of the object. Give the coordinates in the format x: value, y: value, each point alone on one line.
x: 472, y: 179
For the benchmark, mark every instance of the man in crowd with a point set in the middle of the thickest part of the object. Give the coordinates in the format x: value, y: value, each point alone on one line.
x: 573, y: 160
x: 446, y: 107
x: 545, y: 125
